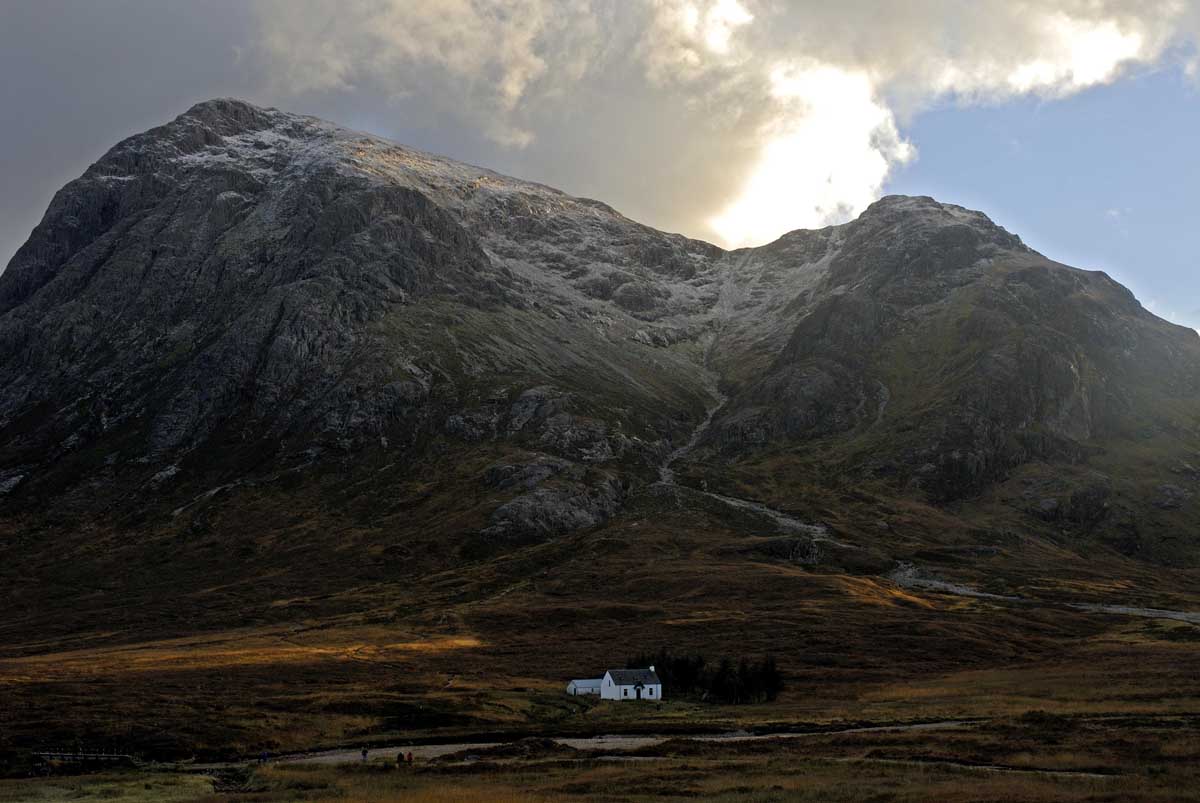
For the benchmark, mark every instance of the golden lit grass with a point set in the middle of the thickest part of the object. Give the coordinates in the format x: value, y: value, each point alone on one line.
x: 873, y: 592
x: 217, y: 653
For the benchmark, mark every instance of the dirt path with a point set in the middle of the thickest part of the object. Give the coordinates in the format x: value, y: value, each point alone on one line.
x: 597, y: 744
x: 965, y: 765
x: 421, y: 752
x: 909, y: 576
x: 819, y: 532
x: 1191, y: 617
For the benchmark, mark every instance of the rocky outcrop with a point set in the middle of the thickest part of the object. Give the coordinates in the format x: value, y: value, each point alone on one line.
x: 547, y: 512
x: 1171, y: 497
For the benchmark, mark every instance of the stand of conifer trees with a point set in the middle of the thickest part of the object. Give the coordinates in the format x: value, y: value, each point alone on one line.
x: 728, y: 681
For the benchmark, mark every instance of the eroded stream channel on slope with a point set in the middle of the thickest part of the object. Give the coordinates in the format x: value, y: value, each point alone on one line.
x: 666, y: 475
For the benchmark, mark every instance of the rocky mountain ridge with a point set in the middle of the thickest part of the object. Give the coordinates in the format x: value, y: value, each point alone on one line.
x: 244, y: 295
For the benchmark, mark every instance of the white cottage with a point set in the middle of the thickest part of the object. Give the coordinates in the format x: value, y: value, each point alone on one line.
x: 630, y: 684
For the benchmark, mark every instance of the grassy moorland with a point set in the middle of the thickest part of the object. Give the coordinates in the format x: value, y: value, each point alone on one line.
x: 487, y: 649
x: 184, y: 646
x: 1034, y: 757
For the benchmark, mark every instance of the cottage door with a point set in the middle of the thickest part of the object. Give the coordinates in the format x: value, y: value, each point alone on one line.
x: 637, y: 689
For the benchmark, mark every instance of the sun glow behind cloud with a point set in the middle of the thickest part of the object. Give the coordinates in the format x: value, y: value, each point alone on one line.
x: 722, y: 19
x: 825, y: 159
x: 833, y: 142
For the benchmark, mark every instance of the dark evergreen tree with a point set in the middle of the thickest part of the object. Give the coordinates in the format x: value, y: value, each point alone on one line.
x: 722, y: 685
x: 730, y: 682
x: 772, y: 680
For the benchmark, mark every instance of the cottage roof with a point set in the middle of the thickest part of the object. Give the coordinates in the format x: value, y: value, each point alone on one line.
x: 631, y: 677
x: 587, y: 683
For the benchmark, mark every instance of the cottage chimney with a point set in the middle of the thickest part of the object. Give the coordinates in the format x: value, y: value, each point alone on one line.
x: 651, y: 667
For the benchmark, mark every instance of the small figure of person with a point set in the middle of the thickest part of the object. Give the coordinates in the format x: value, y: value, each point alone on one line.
x: 262, y: 758
x: 364, y: 754
x: 400, y: 759
x: 410, y: 758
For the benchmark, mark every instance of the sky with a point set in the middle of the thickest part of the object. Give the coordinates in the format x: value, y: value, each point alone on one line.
x: 1073, y: 123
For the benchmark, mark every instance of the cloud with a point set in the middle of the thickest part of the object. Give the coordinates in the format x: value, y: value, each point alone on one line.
x: 826, y: 154
x: 684, y: 40
x: 1070, y: 54
x: 831, y: 140
x: 484, y: 56
x: 800, y: 105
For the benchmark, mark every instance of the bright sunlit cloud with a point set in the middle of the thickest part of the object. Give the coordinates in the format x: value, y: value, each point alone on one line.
x: 829, y: 138
x: 685, y: 39
x: 1084, y: 54
x: 720, y: 22
x: 1072, y: 54
x: 800, y: 105
x: 826, y: 156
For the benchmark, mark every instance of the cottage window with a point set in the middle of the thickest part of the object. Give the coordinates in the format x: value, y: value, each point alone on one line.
x: 625, y: 692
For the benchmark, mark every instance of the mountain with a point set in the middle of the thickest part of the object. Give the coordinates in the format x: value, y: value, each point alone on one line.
x: 257, y: 370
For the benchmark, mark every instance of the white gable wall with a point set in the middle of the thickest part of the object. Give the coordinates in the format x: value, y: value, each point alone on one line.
x: 610, y: 690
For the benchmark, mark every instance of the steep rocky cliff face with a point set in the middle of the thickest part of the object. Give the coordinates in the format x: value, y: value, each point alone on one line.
x: 952, y: 353
x: 243, y: 287
x: 244, y: 302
